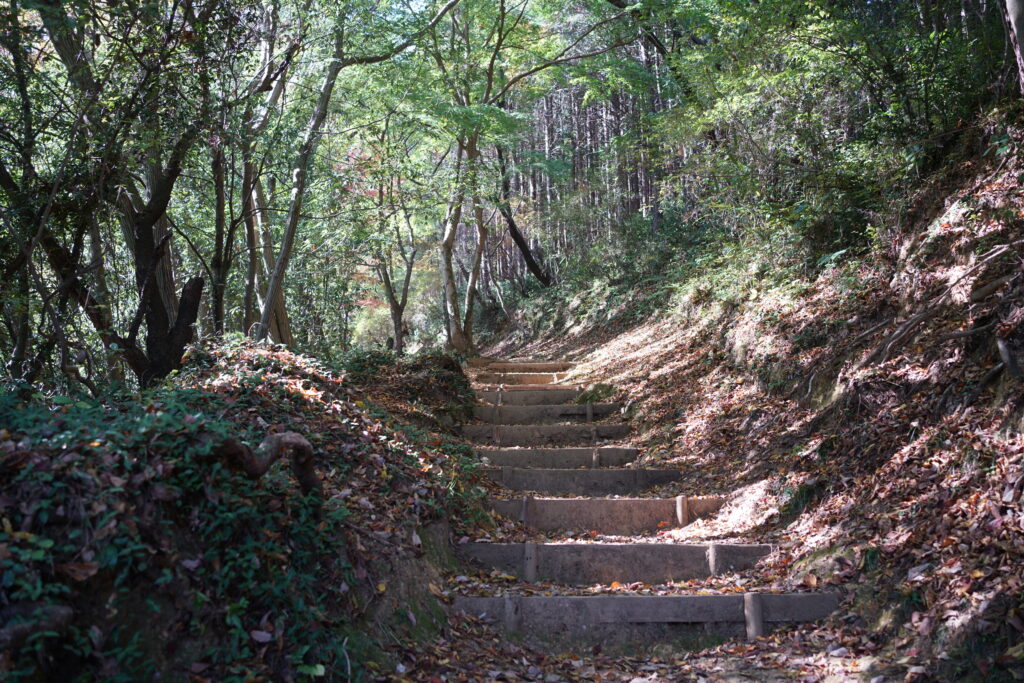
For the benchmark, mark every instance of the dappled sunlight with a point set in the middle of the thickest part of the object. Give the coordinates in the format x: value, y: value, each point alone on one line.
x: 893, y: 475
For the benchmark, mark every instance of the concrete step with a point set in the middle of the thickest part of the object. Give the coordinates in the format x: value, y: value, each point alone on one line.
x: 589, y: 482
x: 563, y: 458
x: 544, y: 435
x: 554, y: 621
x: 607, y: 515
x: 481, y: 361
x: 588, y: 563
x: 530, y: 366
x: 527, y: 396
x: 541, y: 414
x: 519, y: 377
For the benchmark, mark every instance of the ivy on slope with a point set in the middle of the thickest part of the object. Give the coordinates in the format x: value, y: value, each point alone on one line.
x: 172, y: 563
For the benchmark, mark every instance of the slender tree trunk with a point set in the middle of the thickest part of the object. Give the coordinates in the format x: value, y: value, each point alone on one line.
x: 251, y: 246
x: 280, y: 326
x: 220, y: 263
x: 473, y: 178
x: 395, y: 306
x: 505, y: 206
x: 453, y: 217
x: 22, y: 326
x: 300, y: 176
x: 1015, y: 29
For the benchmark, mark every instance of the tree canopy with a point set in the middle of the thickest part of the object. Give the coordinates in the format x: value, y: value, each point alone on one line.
x: 334, y: 175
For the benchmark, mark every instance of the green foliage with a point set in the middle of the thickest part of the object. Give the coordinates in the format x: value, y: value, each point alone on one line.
x: 140, y: 507
x: 132, y: 517
x: 782, y: 132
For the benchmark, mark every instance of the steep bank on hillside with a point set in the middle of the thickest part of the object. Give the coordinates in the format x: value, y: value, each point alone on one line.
x: 133, y: 547
x: 869, y: 416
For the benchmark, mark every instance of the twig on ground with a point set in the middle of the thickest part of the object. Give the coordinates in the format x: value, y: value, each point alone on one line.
x: 987, y: 380
x: 965, y: 333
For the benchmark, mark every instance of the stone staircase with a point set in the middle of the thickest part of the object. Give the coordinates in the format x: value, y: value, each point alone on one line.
x: 535, y: 440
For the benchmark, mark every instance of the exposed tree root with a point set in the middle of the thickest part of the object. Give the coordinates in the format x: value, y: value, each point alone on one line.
x: 255, y: 464
x: 906, y: 330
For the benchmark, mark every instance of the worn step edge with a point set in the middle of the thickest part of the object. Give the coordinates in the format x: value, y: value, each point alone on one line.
x: 482, y: 361
x: 585, y: 563
x: 488, y: 377
x: 484, y: 386
x: 530, y: 366
x: 563, y: 458
x: 581, y: 482
x: 607, y: 515
x: 539, y: 414
x: 535, y: 613
x: 519, y: 396
x: 542, y: 435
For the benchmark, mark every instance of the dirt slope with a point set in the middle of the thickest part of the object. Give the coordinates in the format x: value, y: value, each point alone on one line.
x: 867, y: 418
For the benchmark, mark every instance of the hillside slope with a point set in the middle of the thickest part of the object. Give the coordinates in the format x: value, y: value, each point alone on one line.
x: 866, y: 416
x: 156, y: 537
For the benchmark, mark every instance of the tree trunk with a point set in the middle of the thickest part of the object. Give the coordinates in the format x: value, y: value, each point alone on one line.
x: 251, y: 247
x: 395, y: 305
x: 473, y: 177
x: 1015, y: 29
x: 300, y: 178
x: 280, y: 326
x: 453, y: 216
x: 221, y: 261
x: 505, y: 206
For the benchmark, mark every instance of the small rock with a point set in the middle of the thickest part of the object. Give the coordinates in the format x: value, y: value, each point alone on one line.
x: 918, y: 571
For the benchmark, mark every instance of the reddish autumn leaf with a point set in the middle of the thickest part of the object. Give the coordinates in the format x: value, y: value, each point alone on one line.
x: 78, y: 571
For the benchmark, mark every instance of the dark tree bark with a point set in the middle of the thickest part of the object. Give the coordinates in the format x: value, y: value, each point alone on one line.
x: 1015, y: 29
x: 505, y: 207
x: 169, y: 321
x: 220, y: 263
x: 251, y: 247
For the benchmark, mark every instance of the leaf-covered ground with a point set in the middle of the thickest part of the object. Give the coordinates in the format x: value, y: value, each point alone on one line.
x: 867, y: 419
x: 124, y: 525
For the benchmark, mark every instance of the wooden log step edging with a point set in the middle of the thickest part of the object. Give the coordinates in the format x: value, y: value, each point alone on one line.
x: 544, y: 435
x: 588, y: 563
x: 586, y: 482
x: 530, y: 366
x: 607, y: 515
x: 481, y: 361
x: 540, y: 414
x: 488, y: 377
x: 581, y: 617
x: 559, y: 458
x: 526, y: 395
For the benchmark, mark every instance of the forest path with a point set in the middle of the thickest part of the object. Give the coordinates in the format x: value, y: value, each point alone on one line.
x: 562, y: 472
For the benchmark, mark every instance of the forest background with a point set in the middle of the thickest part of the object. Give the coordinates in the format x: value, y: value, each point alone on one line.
x: 788, y: 230
x: 368, y: 174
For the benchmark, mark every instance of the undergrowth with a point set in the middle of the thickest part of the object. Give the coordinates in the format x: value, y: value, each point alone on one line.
x: 174, y: 563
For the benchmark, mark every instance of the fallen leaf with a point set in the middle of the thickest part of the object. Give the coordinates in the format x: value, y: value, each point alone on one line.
x: 78, y: 571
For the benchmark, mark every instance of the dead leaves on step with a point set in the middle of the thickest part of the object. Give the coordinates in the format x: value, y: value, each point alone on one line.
x: 490, y: 582
x: 899, y: 481
x: 472, y: 650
